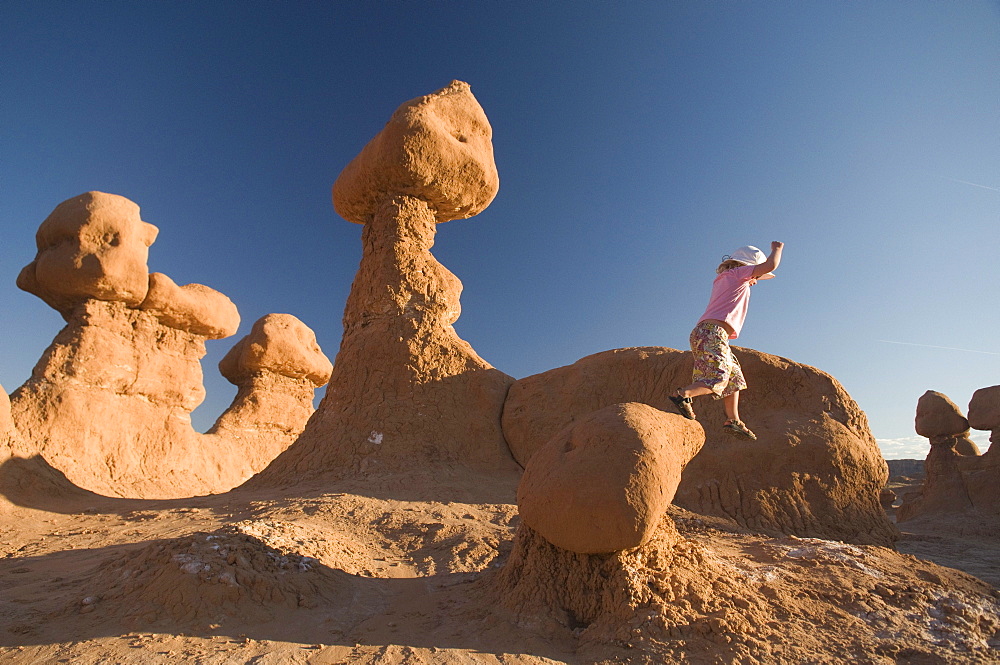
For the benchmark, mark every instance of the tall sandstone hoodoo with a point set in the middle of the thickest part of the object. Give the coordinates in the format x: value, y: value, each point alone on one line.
x: 109, y: 402
x: 407, y: 393
x: 815, y: 469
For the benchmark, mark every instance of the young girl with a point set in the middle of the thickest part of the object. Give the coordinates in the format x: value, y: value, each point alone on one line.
x: 716, y: 370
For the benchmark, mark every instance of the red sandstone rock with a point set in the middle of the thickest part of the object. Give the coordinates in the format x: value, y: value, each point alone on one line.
x: 814, y: 471
x: 194, y: 307
x: 960, y: 486
x: 109, y: 402
x: 984, y: 409
x: 281, y: 344
x: 937, y: 416
x: 91, y: 246
x: 604, y: 482
x: 437, y: 148
x: 966, y: 446
x: 277, y: 367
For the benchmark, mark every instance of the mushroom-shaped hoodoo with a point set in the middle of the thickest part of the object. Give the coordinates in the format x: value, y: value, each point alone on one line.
x: 281, y: 344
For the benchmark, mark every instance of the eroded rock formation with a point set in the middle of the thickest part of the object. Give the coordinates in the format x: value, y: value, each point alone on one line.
x: 815, y: 469
x: 277, y: 368
x: 960, y: 485
x: 603, y: 483
x: 984, y: 413
x: 941, y: 421
x: 407, y: 393
x: 91, y: 246
x: 109, y: 402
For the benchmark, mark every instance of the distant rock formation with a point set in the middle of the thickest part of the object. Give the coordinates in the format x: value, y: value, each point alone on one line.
x: 960, y: 487
x: 905, y: 468
x: 407, y: 393
x: 603, y: 483
x: 815, y: 469
x: 109, y: 402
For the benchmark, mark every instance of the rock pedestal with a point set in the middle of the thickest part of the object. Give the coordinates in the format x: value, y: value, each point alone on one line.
x: 940, y: 420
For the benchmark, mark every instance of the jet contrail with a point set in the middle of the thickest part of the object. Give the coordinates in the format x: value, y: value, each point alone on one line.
x: 933, y: 346
x: 974, y: 184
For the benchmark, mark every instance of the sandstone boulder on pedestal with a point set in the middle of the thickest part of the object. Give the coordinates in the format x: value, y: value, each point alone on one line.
x: 407, y: 394
x: 277, y: 368
x: 815, y: 469
x: 437, y: 148
x: 938, y: 418
x: 194, y: 308
x: 109, y: 402
x: 604, y: 482
x: 278, y: 344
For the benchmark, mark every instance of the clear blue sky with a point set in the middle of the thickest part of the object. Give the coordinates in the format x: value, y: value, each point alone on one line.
x: 637, y: 142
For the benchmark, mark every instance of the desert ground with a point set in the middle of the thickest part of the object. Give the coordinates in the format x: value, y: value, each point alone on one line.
x: 372, y: 573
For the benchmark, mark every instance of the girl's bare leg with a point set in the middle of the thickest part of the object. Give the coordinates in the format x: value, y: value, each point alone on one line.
x: 732, y: 405
x: 694, y: 390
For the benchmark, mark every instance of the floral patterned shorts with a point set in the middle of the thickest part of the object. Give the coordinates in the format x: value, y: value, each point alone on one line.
x: 714, y: 362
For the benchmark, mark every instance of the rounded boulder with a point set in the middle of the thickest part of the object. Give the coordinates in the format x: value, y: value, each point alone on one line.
x: 984, y: 408
x: 938, y: 416
x: 91, y: 246
x: 195, y: 308
x: 437, y: 148
x: 278, y: 343
x: 603, y: 483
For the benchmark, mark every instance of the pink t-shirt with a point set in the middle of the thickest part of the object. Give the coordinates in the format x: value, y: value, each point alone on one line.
x: 730, y: 298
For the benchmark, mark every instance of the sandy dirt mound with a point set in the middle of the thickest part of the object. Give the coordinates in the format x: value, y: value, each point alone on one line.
x: 208, y: 579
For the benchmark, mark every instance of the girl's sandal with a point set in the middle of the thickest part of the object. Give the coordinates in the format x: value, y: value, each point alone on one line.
x: 683, y: 405
x: 738, y: 429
